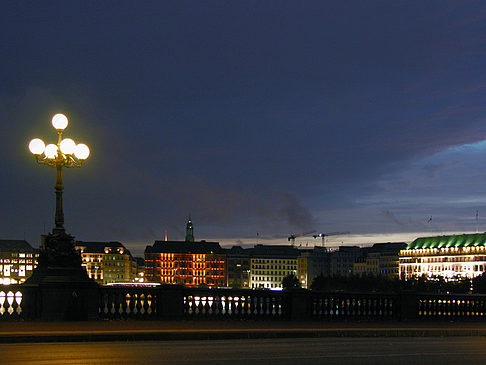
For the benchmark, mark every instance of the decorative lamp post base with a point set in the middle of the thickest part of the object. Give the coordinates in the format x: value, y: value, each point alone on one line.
x: 64, y: 290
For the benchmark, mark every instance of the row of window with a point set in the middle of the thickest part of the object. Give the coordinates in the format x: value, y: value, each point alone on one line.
x: 267, y: 272
x: 270, y: 261
x: 277, y: 267
x: 18, y: 254
x: 15, y: 261
x: 266, y: 285
x: 458, y: 268
x: 268, y: 278
x: 443, y: 259
x: 188, y: 265
x: 238, y: 262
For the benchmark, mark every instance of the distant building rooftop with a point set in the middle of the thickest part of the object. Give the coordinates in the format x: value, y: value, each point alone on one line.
x: 388, y: 246
x: 16, y: 246
x: 274, y: 250
x: 237, y: 251
x: 460, y: 240
x: 201, y: 247
x: 101, y: 247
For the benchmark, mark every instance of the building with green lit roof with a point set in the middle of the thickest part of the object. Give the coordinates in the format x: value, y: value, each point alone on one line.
x: 451, y: 257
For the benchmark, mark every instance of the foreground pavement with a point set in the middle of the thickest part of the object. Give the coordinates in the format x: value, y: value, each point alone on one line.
x: 126, y: 330
x: 290, y: 351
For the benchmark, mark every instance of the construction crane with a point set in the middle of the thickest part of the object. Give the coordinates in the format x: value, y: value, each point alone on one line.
x: 292, y: 237
x: 324, y: 235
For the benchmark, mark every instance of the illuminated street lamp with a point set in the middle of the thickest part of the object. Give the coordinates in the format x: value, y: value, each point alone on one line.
x: 65, y: 154
x: 57, y: 256
x: 64, y: 289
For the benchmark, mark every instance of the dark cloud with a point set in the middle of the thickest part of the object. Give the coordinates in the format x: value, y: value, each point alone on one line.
x: 252, y: 116
x: 389, y: 215
x: 295, y: 213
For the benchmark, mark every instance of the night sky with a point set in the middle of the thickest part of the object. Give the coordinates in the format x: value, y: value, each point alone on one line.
x: 274, y: 117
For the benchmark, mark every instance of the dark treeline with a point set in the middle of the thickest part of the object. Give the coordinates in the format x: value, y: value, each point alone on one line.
x: 380, y: 283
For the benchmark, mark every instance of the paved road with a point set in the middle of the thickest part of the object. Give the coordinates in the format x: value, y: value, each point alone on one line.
x: 450, y: 350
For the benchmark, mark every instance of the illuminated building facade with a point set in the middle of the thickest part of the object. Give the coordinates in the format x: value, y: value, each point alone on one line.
x: 311, y: 263
x: 270, y: 264
x: 107, y: 262
x: 140, y: 277
x: 379, y: 259
x: 368, y: 264
x: 191, y: 264
x: 238, y: 267
x: 341, y: 262
x: 17, y: 261
x: 388, y: 257
x: 451, y: 257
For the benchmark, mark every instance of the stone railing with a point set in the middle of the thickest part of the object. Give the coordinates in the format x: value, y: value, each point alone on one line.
x: 117, y: 302
x: 233, y: 304
x: 337, y: 306
x: 451, y: 306
x: 196, y: 304
x: 10, y: 302
x: 177, y: 302
x: 170, y: 302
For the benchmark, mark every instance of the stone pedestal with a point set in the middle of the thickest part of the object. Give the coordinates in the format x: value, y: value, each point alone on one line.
x: 298, y: 304
x: 170, y: 304
x: 59, y: 288
x: 408, y: 307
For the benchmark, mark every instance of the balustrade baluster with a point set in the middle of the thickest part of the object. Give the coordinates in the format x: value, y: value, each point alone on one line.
x: 243, y: 308
x: 235, y: 309
x: 255, y: 305
x: 113, y: 308
x: 103, y: 307
x: 143, y: 305
x: 3, y: 308
x: 127, y: 305
x: 210, y: 306
x: 218, y: 305
x: 118, y: 302
x: 10, y: 300
x: 150, y: 305
x: 189, y: 306
x: 13, y: 307
x: 136, y: 305
x: 18, y: 300
x: 231, y: 304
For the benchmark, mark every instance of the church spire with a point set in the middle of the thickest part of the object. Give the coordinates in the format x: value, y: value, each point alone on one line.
x: 189, y: 230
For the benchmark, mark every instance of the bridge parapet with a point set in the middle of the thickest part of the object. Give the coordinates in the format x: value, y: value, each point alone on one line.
x: 174, y: 302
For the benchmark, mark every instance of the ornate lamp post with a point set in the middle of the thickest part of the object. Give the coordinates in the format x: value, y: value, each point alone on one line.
x: 65, y: 154
x: 57, y: 251
x: 64, y: 290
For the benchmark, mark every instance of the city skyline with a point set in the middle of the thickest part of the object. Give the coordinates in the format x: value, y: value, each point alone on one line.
x: 268, y: 118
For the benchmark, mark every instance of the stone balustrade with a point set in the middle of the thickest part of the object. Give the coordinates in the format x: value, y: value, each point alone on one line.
x: 18, y: 302
x: 10, y: 302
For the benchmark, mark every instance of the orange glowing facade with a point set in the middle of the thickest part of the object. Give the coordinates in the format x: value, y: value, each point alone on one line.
x: 186, y: 263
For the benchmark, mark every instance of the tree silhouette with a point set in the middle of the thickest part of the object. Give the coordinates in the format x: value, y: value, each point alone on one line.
x: 290, y: 282
x: 479, y: 284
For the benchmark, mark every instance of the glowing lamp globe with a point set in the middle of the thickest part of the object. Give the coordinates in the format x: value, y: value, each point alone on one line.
x: 59, y: 121
x: 67, y: 146
x: 81, y: 151
x: 51, y: 151
x: 37, y: 146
